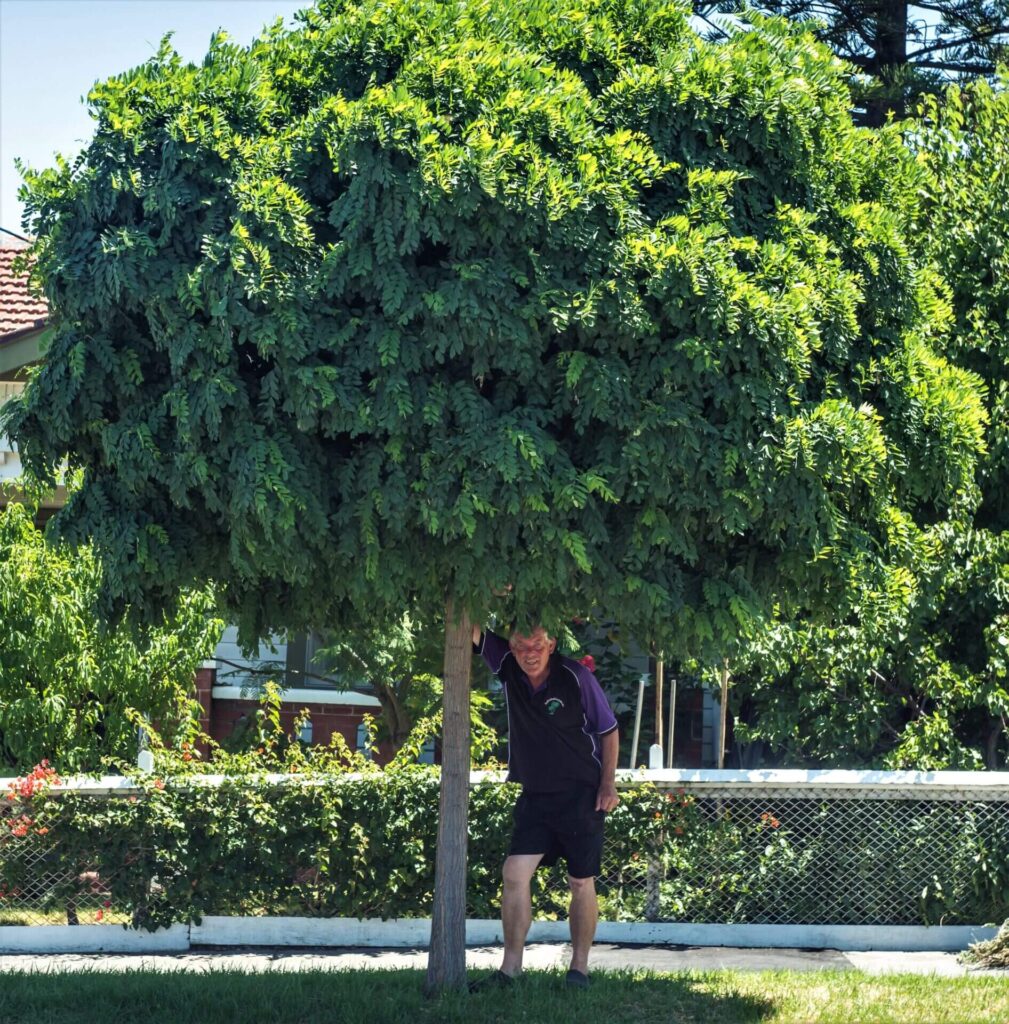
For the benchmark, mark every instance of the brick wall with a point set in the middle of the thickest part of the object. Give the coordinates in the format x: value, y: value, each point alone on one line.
x: 220, y: 716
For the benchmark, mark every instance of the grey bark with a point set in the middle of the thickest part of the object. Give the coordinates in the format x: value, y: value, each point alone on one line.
x: 446, y: 964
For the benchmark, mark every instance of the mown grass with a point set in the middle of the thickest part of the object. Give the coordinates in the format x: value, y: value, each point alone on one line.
x: 394, y: 997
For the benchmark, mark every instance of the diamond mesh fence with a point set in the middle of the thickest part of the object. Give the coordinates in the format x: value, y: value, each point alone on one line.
x: 794, y: 856
x: 756, y: 851
x: 39, y: 893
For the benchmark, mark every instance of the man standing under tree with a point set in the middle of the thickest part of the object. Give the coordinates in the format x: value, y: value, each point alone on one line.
x: 562, y: 748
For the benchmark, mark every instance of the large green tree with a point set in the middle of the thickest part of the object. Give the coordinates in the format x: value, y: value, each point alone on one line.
x: 425, y: 298
x: 72, y: 691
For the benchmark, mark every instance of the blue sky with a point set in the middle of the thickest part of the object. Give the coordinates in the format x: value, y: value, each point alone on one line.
x: 52, y: 51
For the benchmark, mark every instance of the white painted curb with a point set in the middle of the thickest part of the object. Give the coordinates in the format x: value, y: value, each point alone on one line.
x: 92, y: 938
x: 309, y: 931
x: 299, y: 931
x: 416, y: 933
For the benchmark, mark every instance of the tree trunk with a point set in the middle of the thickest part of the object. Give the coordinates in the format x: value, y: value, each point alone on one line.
x: 446, y: 962
x: 396, y: 719
x: 991, y: 745
x: 889, y: 61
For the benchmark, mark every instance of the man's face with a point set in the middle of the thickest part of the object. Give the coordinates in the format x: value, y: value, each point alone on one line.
x: 533, y: 651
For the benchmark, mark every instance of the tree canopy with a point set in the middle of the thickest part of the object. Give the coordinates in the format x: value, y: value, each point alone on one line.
x: 422, y: 297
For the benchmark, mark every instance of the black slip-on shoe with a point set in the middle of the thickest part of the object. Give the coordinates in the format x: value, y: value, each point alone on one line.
x: 492, y: 981
x: 575, y: 979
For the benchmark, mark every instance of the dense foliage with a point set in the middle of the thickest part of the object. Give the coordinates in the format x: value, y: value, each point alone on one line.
x: 71, y: 691
x: 915, y: 676
x: 563, y: 297
x: 915, y: 670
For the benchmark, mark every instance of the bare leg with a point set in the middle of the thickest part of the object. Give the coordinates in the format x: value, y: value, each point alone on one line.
x: 582, y: 918
x: 516, y: 908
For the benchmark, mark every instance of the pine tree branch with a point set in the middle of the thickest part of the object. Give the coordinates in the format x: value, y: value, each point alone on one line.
x: 951, y: 44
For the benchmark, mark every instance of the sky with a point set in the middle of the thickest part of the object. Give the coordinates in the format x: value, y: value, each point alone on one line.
x: 53, y: 51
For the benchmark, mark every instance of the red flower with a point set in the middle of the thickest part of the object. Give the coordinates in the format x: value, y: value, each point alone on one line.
x: 99, y: 915
x: 589, y: 662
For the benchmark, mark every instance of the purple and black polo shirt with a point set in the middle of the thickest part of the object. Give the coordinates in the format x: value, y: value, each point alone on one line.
x: 553, y: 732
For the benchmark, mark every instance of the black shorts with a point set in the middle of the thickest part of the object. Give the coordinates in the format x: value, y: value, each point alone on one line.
x: 564, y: 825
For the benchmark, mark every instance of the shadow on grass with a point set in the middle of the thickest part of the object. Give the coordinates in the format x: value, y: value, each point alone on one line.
x: 364, y: 997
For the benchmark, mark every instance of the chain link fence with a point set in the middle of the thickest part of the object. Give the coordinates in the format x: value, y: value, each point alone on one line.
x: 779, y: 847
x: 847, y: 848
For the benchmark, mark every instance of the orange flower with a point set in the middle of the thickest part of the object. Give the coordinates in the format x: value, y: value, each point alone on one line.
x: 159, y: 784
x: 99, y: 915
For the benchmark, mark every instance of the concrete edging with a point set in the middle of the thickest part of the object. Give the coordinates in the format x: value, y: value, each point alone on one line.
x: 92, y: 938
x: 414, y: 933
x: 299, y: 931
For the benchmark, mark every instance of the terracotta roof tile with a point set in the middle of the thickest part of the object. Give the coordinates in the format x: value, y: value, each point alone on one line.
x: 18, y: 309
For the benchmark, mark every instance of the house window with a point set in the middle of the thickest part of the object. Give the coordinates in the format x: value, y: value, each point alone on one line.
x: 305, y: 733
x: 309, y: 669
x: 363, y: 741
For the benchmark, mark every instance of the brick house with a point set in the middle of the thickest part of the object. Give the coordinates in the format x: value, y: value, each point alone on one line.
x: 226, y: 686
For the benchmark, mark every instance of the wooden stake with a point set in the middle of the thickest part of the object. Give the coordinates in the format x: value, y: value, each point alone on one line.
x: 724, y: 712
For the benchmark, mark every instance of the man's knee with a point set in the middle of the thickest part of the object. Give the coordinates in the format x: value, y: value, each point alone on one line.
x: 518, y: 870
x: 582, y: 886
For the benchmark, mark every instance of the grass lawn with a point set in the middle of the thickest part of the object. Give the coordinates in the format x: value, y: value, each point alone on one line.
x: 394, y: 997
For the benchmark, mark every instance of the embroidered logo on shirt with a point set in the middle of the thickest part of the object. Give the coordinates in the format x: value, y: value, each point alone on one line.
x: 553, y: 705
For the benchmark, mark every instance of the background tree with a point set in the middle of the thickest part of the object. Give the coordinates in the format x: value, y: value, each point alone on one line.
x: 900, y: 50
x: 914, y: 671
x: 912, y: 674
x: 402, y: 662
x: 70, y: 691
x: 420, y: 299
